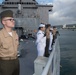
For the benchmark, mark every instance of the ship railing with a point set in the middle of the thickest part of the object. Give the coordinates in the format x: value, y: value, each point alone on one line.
x: 51, y: 65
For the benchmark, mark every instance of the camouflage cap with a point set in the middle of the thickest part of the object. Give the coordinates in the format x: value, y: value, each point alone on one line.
x: 6, y: 13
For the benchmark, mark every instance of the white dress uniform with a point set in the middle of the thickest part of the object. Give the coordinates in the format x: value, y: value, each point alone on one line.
x: 41, y: 43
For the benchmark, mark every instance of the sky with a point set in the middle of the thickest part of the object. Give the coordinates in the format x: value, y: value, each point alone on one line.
x: 64, y: 11
x: 1, y: 1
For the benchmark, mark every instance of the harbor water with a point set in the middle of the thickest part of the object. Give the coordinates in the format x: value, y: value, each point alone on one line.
x: 67, y: 40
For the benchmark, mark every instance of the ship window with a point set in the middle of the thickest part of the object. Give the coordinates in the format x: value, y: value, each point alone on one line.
x: 17, y: 2
x: 23, y: 3
x: 7, y: 3
x: 12, y: 3
x: 30, y: 3
x: 27, y: 2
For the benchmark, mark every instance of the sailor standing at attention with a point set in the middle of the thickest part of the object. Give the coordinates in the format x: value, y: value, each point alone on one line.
x: 41, y: 40
x: 9, y: 63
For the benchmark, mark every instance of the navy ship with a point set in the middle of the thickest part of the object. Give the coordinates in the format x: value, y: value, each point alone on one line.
x: 28, y: 15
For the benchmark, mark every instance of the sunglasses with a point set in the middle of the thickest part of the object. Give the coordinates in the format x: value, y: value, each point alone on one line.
x: 11, y: 19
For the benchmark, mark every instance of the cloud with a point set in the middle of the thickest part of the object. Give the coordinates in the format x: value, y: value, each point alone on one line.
x: 64, y: 12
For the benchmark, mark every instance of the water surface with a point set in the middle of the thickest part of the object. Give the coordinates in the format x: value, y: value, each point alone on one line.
x: 68, y: 52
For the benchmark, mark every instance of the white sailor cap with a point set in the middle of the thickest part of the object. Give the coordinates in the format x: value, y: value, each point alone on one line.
x: 42, y: 25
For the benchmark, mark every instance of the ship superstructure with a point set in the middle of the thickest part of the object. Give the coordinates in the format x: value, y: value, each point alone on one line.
x: 28, y: 13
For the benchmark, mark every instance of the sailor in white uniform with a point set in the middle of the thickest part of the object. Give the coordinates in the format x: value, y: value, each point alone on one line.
x: 41, y: 40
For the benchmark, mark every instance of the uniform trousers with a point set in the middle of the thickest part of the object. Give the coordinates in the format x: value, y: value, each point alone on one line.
x: 9, y: 67
x: 46, y: 54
